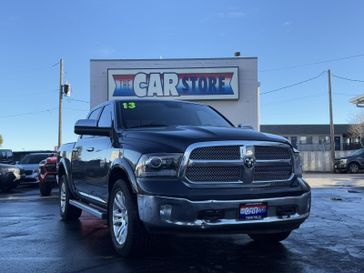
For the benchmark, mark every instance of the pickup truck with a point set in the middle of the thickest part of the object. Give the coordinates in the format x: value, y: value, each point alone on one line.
x: 151, y: 166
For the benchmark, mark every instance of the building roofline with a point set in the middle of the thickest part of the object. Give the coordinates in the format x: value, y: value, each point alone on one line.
x: 173, y: 59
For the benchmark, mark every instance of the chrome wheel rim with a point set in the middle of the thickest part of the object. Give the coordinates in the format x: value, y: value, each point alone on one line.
x: 63, y: 197
x: 354, y: 168
x: 120, y: 218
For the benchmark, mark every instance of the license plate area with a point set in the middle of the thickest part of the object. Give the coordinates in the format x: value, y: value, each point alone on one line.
x: 253, y: 211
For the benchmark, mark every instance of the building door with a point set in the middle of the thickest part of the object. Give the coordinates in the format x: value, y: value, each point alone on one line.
x: 337, y: 143
x: 294, y: 141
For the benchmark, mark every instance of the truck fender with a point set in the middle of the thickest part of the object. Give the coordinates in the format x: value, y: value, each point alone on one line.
x: 66, y: 165
x: 123, y: 164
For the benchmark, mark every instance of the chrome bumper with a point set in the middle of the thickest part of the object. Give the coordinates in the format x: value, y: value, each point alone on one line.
x: 159, y: 212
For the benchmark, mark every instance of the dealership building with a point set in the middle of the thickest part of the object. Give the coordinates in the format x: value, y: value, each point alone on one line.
x: 230, y: 85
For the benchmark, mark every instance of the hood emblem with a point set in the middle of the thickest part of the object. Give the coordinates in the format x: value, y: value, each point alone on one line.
x: 247, y: 155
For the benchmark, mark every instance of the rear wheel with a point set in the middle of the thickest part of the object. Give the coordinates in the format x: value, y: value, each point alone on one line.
x: 67, y: 211
x: 270, y: 238
x: 353, y: 167
x: 128, y: 234
x: 45, y: 188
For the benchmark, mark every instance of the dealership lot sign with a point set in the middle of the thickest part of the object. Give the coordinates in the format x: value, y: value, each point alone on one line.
x: 183, y: 83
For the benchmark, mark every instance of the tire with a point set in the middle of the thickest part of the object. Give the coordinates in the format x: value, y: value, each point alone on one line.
x: 8, y: 183
x: 67, y: 211
x: 353, y: 168
x: 45, y: 188
x: 128, y: 234
x: 270, y: 238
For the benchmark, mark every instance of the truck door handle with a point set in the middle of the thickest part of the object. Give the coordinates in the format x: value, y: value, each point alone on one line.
x: 90, y: 149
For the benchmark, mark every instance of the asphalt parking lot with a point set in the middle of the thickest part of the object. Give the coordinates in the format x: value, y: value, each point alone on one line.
x: 33, y: 239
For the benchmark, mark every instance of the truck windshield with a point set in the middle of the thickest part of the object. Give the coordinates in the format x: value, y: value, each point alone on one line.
x: 137, y: 114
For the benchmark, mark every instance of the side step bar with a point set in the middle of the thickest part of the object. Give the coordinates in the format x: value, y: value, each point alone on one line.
x: 99, y: 213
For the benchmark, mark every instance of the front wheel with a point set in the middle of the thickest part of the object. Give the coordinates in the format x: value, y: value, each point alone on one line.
x: 353, y: 168
x: 45, y: 188
x: 128, y: 234
x: 270, y: 238
x: 67, y: 211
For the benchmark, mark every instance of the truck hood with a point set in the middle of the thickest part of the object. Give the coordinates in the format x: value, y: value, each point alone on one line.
x: 176, y: 139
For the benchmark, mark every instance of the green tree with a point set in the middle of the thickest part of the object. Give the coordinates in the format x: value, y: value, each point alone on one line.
x: 1, y: 140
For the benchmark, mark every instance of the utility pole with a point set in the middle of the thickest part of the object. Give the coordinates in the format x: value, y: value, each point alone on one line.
x: 60, y: 102
x: 332, y: 130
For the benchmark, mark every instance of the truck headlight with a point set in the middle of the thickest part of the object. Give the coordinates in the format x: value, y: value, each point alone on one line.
x: 343, y: 161
x: 158, y: 165
x: 297, y: 162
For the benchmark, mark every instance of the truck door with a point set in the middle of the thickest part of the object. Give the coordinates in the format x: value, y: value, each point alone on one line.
x: 100, y: 159
x: 82, y: 159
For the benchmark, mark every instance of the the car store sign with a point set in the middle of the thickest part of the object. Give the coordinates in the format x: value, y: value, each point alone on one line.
x: 182, y: 83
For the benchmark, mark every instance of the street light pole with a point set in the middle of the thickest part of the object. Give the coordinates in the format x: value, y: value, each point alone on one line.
x: 60, y: 103
x: 332, y: 130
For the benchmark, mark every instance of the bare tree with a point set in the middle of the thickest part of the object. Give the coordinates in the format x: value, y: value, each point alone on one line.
x: 356, y: 130
x: 1, y: 140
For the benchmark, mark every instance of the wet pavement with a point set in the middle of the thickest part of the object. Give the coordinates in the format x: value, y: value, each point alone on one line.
x: 33, y: 239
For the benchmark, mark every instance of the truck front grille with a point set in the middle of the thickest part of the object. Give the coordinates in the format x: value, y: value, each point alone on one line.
x: 222, y: 163
x: 271, y: 153
x: 216, y: 153
x: 269, y: 173
x: 213, y: 174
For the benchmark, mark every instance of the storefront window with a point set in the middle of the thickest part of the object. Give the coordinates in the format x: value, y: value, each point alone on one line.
x: 324, y: 139
x: 305, y: 139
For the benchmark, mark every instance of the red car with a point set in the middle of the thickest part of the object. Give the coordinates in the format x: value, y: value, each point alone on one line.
x: 47, y: 175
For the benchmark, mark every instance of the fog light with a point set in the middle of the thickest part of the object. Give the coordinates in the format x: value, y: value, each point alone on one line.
x: 165, y: 212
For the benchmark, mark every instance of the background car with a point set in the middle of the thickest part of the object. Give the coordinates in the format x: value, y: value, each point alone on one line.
x: 352, y: 163
x: 9, y: 177
x: 6, y: 156
x: 47, y: 175
x: 29, y: 167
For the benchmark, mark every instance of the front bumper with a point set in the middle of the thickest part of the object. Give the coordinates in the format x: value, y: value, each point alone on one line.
x: 160, y: 213
x: 340, y: 166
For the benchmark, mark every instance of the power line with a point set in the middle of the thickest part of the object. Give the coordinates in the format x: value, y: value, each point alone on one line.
x: 28, y: 113
x: 346, y: 79
x: 74, y: 109
x: 293, y: 84
x: 293, y: 99
x: 78, y: 100
x: 313, y: 63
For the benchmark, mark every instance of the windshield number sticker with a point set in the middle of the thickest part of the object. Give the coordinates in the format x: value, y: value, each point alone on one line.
x: 129, y: 105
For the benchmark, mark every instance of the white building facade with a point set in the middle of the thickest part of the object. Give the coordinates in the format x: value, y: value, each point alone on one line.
x: 230, y: 85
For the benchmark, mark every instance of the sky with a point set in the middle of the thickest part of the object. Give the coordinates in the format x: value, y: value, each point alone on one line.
x: 293, y: 40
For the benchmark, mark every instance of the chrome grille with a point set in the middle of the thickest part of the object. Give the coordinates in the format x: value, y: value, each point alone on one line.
x: 220, y: 162
x: 213, y: 174
x: 216, y: 153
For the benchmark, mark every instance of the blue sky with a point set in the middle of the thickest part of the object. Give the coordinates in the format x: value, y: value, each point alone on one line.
x: 284, y: 35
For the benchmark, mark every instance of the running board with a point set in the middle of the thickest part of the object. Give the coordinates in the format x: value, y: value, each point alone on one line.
x: 99, y: 213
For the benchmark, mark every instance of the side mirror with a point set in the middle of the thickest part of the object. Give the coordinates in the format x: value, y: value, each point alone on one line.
x: 243, y: 126
x: 89, y: 127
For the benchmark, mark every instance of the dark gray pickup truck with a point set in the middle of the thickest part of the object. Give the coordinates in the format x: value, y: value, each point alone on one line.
x: 154, y: 166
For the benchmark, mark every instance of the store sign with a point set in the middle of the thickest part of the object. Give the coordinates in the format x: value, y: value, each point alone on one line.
x: 183, y: 83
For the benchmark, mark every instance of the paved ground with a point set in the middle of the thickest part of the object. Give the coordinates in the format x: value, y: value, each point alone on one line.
x: 33, y: 239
